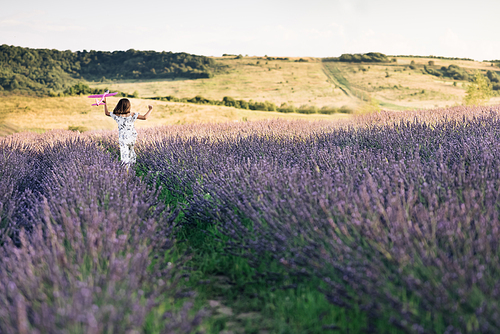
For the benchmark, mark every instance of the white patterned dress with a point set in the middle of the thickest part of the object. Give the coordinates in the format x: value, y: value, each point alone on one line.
x: 126, y: 137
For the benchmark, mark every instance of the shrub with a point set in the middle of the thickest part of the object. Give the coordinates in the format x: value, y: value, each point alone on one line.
x: 198, y: 99
x: 493, y: 76
x: 346, y: 110
x: 285, y: 108
x: 304, y: 109
x: 326, y: 110
x: 478, y: 91
x: 258, y: 106
x: 229, y: 101
x: 243, y: 104
x: 270, y: 106
x: 455, y: 72
x: 433, y: 71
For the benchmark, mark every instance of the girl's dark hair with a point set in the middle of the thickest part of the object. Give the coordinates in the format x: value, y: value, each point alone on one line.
x: 123, y: 107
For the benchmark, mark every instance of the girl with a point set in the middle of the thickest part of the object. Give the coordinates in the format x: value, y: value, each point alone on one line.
x: 126, y: 131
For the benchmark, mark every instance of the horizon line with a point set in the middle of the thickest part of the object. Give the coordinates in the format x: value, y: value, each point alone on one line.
x: 247, y: 55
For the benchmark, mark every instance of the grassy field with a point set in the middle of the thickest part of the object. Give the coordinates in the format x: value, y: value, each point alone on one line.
x: 320, y: 84
x: 253, y: 78
x: 21, y: 113
x: 392, y: 86
x: 395, y: 83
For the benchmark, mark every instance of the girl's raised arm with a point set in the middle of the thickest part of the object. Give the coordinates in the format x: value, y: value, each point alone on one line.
x: 145, y: 116
x: 106, y: 108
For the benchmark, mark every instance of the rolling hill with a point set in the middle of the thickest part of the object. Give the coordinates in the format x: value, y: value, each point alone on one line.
x: 41, y: 71
x: 405, y: 83
x: 350, y: 82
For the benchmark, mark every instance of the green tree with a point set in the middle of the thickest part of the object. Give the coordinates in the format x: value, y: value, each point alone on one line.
x: 493, y: 76
x: 229, y: 101
x: 478, y: 91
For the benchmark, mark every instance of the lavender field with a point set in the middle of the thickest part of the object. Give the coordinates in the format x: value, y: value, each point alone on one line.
x: 77, y: 232
x: 392, y: 222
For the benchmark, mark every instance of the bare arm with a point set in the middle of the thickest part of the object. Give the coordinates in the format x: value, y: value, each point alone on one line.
x: 145, y: 116
x: 106, y: 108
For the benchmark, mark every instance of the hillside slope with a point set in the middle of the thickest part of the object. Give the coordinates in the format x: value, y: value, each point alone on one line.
x: 400, y: 84
x: 392, y: 82
x: 44, y: 70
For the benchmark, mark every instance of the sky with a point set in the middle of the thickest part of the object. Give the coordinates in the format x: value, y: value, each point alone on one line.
x: 280, y: 28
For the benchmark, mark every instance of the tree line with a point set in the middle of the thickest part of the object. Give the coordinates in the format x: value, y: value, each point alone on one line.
x: 377, y: 57
x: 83, y: 89
x: 46, y: 70
x: 455, y: 72
x: 256, y: 105
x: 370, y: 57
x: 434, y: 57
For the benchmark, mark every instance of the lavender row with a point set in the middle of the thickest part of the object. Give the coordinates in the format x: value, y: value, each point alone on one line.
x: 437, y: 115
x: 79, y: 257
x: 400, y: 220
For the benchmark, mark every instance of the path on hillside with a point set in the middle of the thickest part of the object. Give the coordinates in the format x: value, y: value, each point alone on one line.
x: 335, y: 76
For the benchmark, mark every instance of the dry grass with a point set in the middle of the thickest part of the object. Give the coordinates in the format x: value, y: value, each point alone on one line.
x: 306, y: 83
x: 411, y: 88
x: 21, y: 113
x: 277, y: 81
x: 404, y: 86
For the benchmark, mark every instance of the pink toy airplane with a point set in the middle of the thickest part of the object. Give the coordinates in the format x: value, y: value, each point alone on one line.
x: 102, y: 96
